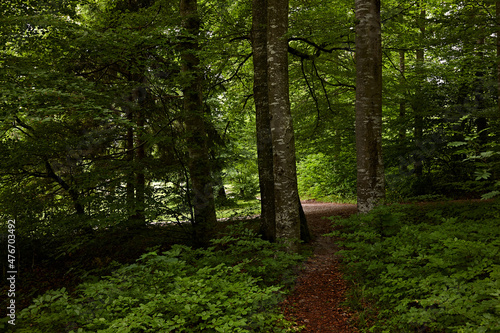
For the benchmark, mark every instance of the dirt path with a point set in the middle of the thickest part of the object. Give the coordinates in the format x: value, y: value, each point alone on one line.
x: 315, y: 301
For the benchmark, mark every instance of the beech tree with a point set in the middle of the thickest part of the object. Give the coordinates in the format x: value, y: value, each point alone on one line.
x: 263, y: 119
x: 285, y: 174
x: 371, y: 183
x: 196, y: 127
x: 418, y: 107
x: 261, y: 81
x: 122, y: 111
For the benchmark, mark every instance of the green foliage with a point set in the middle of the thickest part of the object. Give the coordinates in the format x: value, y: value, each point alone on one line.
x: 233, y: 286
x: 321, y: 175
x: 239, y: 209
x: 483, y: 158
x: 435, y: 267
x: 243, y: 179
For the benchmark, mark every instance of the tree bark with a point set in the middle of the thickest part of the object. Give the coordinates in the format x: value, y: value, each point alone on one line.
x: 263, y: 120
x: 305, y: 234
x: 498, y: 54
x: 403, y: 167
x: 285, y: 173
x: 129, y: 158
x: 370, y: 169
x: 71, y: 191
x: 140, y: 101
x: 194, y: 118
x: 480, y: 90
x: 140, y: 178
x: 402, y: 103
x: 417, y: 107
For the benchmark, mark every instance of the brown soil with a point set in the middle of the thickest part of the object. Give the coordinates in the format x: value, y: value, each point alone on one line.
x: 315, y: 302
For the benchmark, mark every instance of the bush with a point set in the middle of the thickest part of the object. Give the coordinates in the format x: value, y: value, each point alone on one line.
x: 434, y: 268
x: 321, y: 175
x: 225, y: 288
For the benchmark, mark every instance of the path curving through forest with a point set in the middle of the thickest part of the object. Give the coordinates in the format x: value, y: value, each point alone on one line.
x: 315, y: 302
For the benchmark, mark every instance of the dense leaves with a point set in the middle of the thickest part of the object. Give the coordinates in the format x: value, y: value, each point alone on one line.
x: 432, y: 267
x: 93, y: 137
x: 93, y: 123
x: 228, y: 287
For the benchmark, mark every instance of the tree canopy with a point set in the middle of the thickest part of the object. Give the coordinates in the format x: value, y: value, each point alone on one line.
x: 123, y: 113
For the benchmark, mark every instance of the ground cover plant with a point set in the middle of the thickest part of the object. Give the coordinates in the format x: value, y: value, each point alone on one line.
x: 425, y: 268
x: 232, y: 286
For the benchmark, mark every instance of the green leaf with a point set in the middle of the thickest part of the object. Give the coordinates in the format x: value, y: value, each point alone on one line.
x: 456, y: 143
x: 490, y: 195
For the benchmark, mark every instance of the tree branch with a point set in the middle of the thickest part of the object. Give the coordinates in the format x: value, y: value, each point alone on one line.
x: 302, y: 55
x: 311, y: 91
x: 234, y: 74
x: 323, y: 86
x: 319, y: 47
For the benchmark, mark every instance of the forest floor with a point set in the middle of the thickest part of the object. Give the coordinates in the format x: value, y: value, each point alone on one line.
x: 316, y: 301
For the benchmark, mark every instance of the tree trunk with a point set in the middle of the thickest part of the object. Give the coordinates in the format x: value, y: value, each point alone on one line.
x: 481, y: 121
x: 129, y: 158
x: 417, y: 107
x: 263, y: 120
x: 403, y: 167
x: 75, y: 197
x: 194, y: 119
x: 370, y: 177
x: 136, y: 153
x: 285, y: 173
x: 305, y: 234
x: 498, y: 54
x: 140, y: 178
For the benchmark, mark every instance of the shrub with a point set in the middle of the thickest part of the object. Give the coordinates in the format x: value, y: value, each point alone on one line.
x: 225, y: 288
x: 435, y: 268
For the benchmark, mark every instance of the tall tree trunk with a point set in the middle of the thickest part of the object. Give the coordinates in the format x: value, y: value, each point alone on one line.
x: 402, y: 109
x: 481, y: 121
x: 129, y: 158
x: 136, y: 154
x: 194, y: 119
x: 498, y: 54
x: 145, y: 103
x: 140, y: 178
x: 370, y: 178
x: 402, y: 102
x: 417, y: 107
x: 263, y: 120
x: 285, y: 172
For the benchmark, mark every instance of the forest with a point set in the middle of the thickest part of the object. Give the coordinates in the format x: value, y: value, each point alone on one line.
x: 156, y: 157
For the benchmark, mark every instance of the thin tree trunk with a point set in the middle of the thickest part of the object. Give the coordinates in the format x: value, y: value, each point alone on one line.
x: 140, y: 178
x: 305, y: 234
x: 402, y: 109
x: 75, y: 197
x: 498, y: 54
x: 370, y: 169
x: 285, y: 173
x: 197, y: 138
x: 402, y: 103
x: 129, y: 158
x: 417, y: 107
x: 135, y: 155
x: 481, y: 121
x: 263, y: 121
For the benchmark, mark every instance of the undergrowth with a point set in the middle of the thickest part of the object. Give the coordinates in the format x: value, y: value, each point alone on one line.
x: 425, y: 268
x: 232, y: 286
